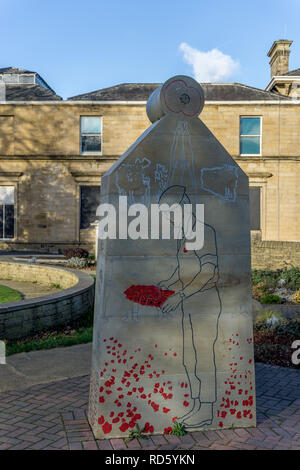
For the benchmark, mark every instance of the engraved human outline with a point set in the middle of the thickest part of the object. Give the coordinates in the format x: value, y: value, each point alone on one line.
x: 198, y: 355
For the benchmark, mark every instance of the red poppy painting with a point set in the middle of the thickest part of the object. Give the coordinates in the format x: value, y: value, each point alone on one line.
x: 151, y: 296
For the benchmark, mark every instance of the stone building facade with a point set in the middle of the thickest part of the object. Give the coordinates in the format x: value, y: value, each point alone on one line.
x: 53, y: 153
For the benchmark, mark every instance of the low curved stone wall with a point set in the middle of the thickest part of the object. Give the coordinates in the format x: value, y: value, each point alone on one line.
x: 45, y: 275
x: 28, y: 317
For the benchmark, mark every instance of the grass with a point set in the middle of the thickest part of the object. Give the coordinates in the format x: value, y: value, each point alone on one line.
x: 9, y: 295
x: 81, y: 333
x: 178, y: 429
x: 56, y: 286
x: 137, y: 434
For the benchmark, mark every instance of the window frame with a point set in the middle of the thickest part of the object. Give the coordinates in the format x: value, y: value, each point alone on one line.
x: 90, y: 134
x: 251, y: 135
x: 3, y: 239
x: 80, y: 186
x: 259, y: 187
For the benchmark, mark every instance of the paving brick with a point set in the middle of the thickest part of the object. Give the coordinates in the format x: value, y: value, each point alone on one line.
x: 145, y: 443
x: 104, y: 445
x: 75, y: 446
x: 168, y: 447
x: 5, y: 446
x: 261, y: 444
x: 211, y: 435
x: 242, y: 446
x: 53, y: 417
x: 242, y: 432
x: 31, y: 437
x: 199, y: 447
x: 160, y: 440
x: 187, y: 446
x: 173, y: 439
x: 21, y: 446
x: 187, y: 439
x: 118, y: 444
x: 60, y: 444
x: 134, y: 444
x: 41, y: 444
x: 89, y: 445
x: 219, y: 446
x: 9, y: 440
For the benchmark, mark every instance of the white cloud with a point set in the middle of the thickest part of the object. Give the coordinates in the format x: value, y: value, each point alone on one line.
x: 210, y: 66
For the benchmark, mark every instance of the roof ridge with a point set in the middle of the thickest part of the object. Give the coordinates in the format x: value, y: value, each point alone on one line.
x: 140, y: 92
x: 114, y: 87
x: 291, y: 71
x: 10, y: 68
x: 252, y: 87
x: 260, y: 90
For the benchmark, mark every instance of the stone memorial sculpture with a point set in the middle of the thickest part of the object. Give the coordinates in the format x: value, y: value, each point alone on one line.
x: 173, y: 339
x: 2, y: 353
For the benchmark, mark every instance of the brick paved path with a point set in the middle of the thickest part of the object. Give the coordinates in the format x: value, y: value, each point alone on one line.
x: 53, y: 416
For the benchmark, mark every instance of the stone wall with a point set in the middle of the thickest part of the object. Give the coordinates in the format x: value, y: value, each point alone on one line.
x: 28, y: 317
x: 54, y: 129
x: 274, y: 255
x: 40, y: 157
x: 45, y: 275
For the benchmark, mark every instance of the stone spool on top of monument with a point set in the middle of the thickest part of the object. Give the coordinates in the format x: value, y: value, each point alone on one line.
x: 179, y: 96
x: 173, y: 358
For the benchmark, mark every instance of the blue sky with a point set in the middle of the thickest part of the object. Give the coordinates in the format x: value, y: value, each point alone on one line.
x: 80, y: 46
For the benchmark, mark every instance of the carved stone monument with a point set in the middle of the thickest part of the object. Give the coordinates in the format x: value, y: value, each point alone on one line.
x: 173, y: 324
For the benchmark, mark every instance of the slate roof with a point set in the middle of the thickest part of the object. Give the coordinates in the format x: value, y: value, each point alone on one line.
x: 293, y: 73
x: 29, y: 93
x: 122, y: 92
x: 14, y: 70
x: 213, y: 92
x: 238, y: 92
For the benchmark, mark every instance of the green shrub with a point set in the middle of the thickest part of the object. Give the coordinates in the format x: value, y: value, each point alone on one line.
x: 265, y: 276
x: 259, y: 290
x: 271, y: 299
x: 75, y: 252
x: 273, y: 345
x: 286, y: 328
x: 291, y: 277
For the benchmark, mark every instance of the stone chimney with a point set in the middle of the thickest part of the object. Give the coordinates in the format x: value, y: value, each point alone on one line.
x: 279, y: 57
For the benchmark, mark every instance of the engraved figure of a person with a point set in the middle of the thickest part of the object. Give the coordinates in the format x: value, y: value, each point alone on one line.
x: 197, y: 298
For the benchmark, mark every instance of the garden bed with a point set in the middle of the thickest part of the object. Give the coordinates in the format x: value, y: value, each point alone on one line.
x: 276, y: 287
x: 277, y: 318
x: 273, y: 339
